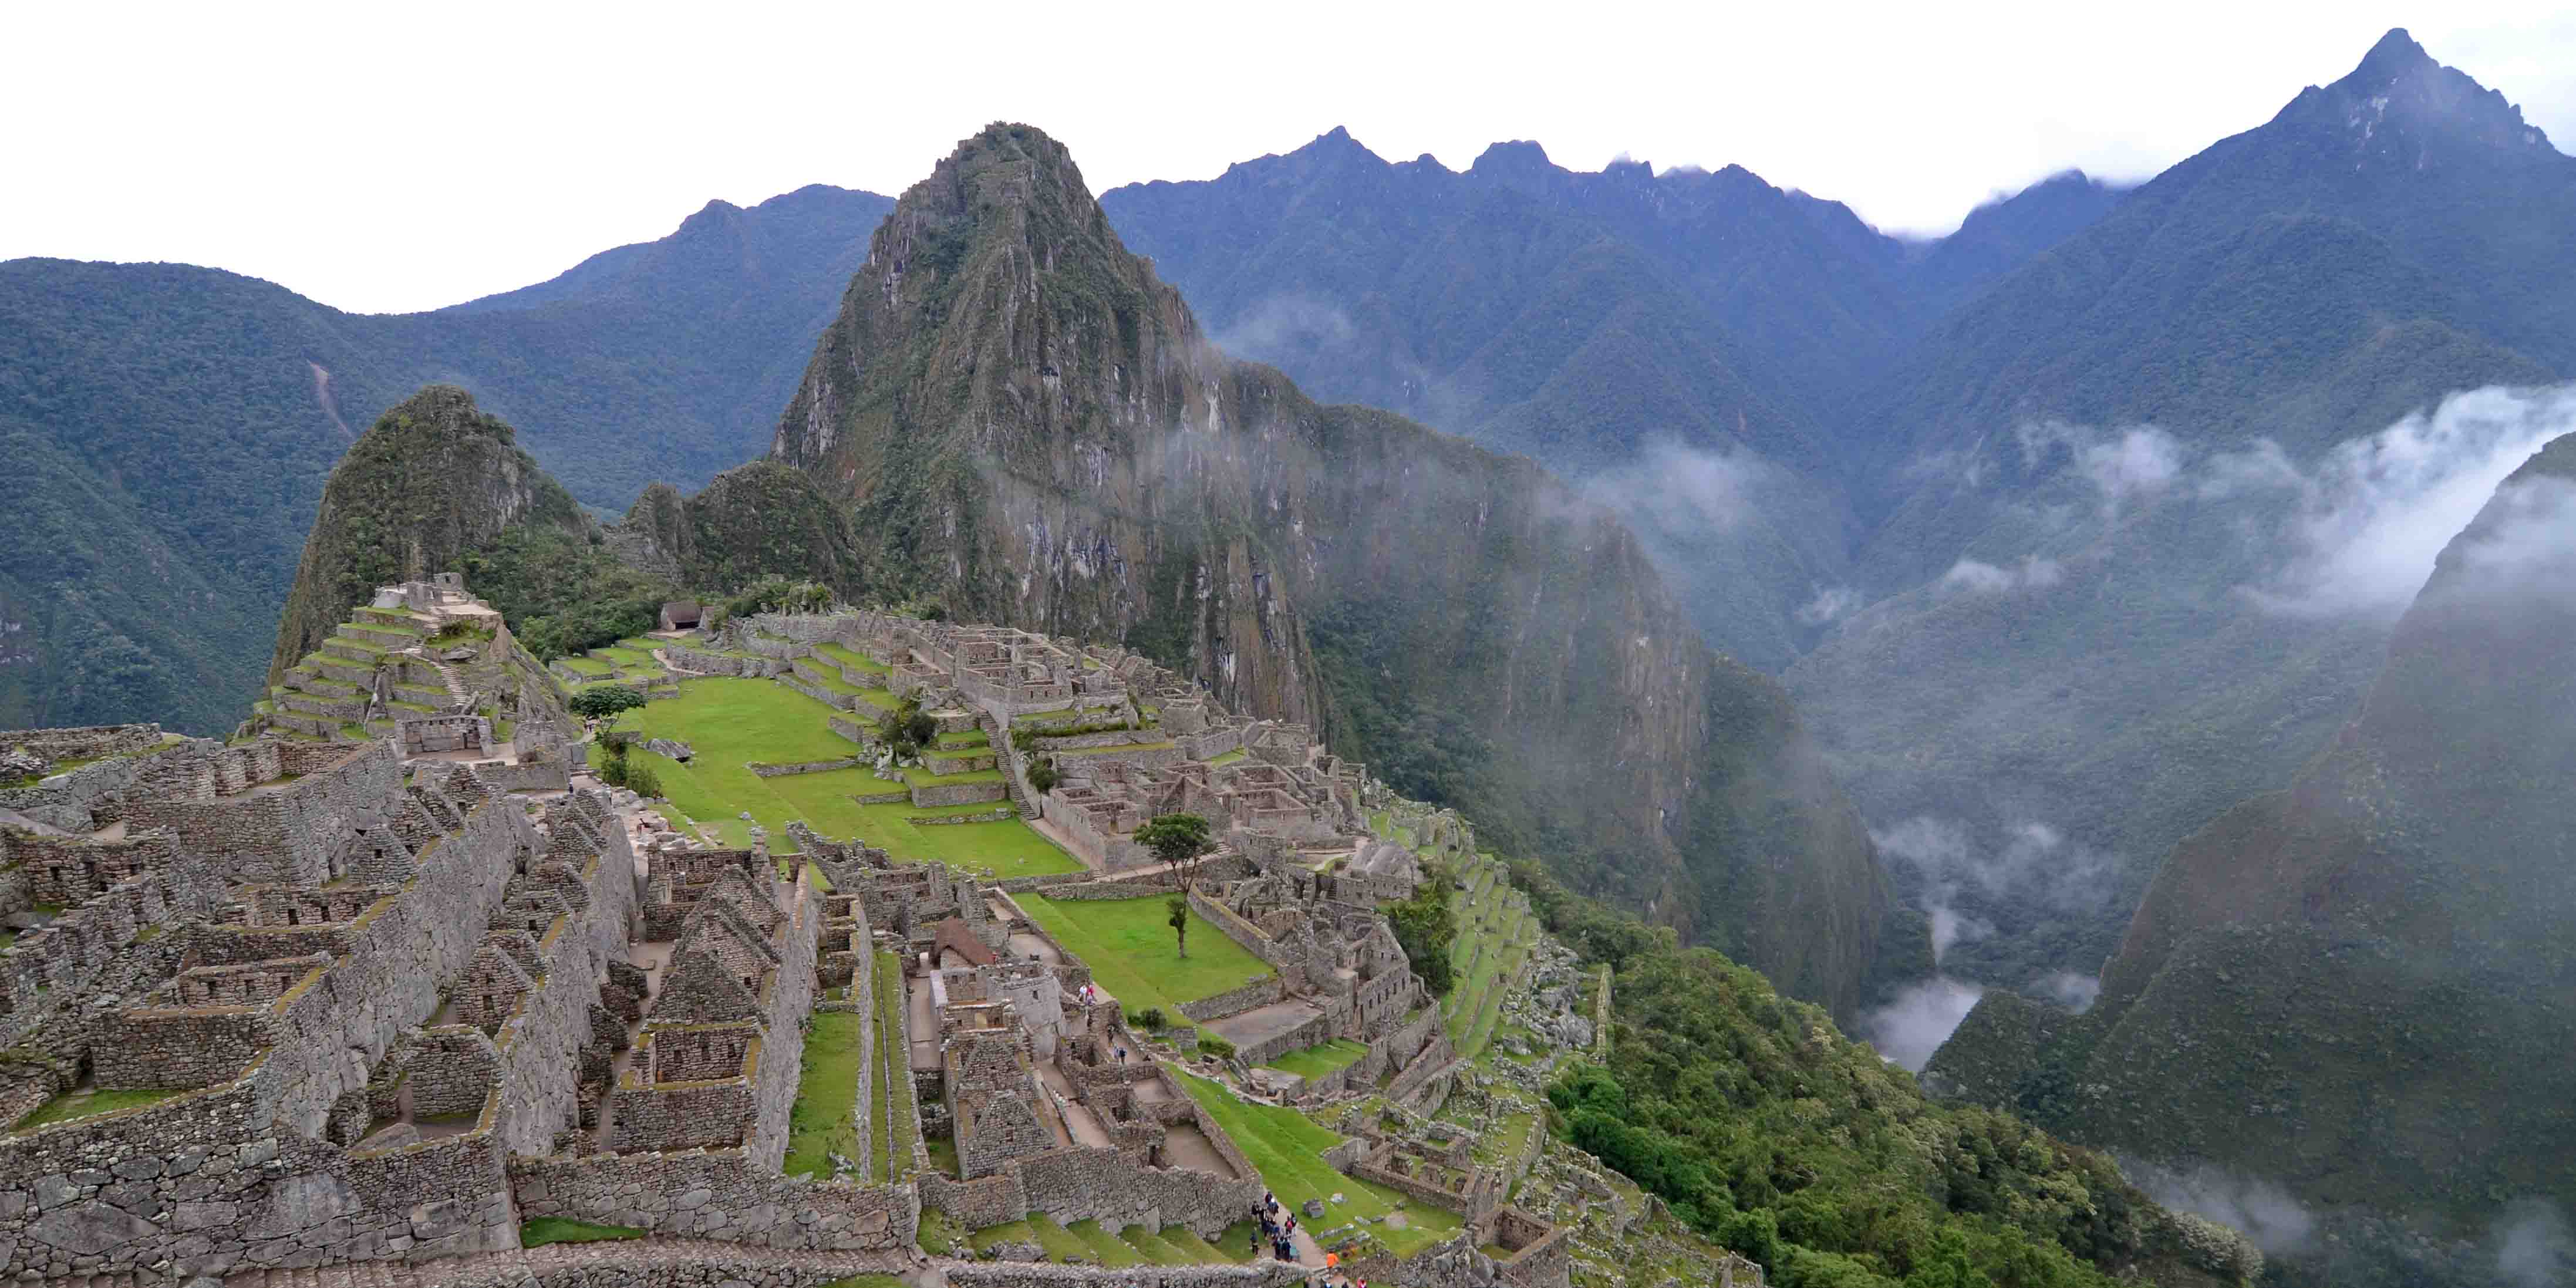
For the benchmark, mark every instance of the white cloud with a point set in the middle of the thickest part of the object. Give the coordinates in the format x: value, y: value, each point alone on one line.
x: 1830, y: 604
x: 2139, y: 464
x: 1668, y: 488
x: 2262, y: 1210
x: 1909, y: 1029
x: 2072, y: 991
x: 2374, y: 513
x: 1977, y: 577
x: 2534, y: 1248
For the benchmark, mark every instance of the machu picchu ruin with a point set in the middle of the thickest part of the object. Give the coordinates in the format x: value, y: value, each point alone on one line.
x: 403, y: 983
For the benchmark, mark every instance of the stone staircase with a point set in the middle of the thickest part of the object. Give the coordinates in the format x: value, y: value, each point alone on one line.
x: 597, y: 1263
x: 1008, y: 759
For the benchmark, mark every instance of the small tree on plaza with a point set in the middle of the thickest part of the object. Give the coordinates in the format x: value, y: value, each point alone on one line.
x: 1181, y: 840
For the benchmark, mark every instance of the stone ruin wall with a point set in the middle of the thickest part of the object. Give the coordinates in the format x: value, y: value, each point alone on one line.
x: 241, y: 1174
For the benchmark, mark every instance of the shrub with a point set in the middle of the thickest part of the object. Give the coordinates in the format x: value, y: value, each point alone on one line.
x: 1151, y: 1019
x: 1043, y: 776
x: 1211, y: 1044
x: 642, y: 781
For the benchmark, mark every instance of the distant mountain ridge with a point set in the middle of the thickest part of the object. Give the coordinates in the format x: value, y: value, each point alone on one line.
x: 2062, y: 636
x: 179, y: 422
x: 1688, y: 334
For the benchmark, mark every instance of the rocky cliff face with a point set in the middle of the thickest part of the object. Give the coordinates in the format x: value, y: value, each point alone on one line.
x: 2358, y: 987
x: 434, y: 478
x: 1031, y: 428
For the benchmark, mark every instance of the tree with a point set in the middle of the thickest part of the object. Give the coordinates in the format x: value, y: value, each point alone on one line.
x: 1043, y: 776
x: 602, y: 701
x: 1180, y: 922
x: 1181, y: 840
x: 1425, y: 927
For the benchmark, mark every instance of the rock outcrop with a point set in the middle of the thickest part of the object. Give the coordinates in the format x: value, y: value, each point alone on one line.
x: 1032, y: 429
x: 434, y: 478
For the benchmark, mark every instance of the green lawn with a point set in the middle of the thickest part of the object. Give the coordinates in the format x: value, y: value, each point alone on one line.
x: 1321, y: 1061
x: 919, y: 777
x: 1129, y: 946
x: 585, y: 665
x: 965, y: 738
x: 542, y: 1230
x: 1058, y: 1241
x: 1107, y: 1249
x: 85, y: 1104
x: 1288, y: 1150
x: 891, y: 1098
x: 627, y: 657
x: 730, y: 722
x: 852, y: 658
x: 823, y: 1121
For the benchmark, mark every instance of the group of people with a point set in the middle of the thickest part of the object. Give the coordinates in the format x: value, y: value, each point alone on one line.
x: 1282, y: 1237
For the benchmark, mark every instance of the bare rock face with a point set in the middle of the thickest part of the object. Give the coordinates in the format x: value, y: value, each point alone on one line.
x: 1030, y: 428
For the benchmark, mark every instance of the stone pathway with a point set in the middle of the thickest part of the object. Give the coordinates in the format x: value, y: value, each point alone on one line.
x: 488, y: 1267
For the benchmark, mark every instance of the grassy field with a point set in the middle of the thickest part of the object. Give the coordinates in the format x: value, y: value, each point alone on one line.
x: 542, y: 1230
x: 852, y: 658
x: 824, y: 1119
x: 891, y: 1104
x: 1320, y: 1061
x: 730, y: 722
x: 1288, y: 1150
x: 86, y: 1104
x: 1132, y: 952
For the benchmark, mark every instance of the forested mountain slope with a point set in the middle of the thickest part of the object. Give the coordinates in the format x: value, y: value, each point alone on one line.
x: 2122, y: 578
x: 1032, y: 429
x: 175, y: 425
x: 2357, y: 987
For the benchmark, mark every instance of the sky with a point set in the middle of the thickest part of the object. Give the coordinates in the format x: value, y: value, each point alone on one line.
x: 385, y: 158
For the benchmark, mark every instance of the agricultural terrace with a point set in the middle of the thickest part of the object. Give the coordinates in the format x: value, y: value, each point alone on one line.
x: 730, y: 722
x: 1134, y: 957
x: 1287, y: 1148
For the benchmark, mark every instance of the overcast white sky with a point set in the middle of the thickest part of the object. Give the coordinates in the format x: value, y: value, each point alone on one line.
x: 397, y: 157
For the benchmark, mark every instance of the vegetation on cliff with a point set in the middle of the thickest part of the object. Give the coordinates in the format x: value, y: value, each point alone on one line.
x: 1032, y: 429
x: 1769, y: 1131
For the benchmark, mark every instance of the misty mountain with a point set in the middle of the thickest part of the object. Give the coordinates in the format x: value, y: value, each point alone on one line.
x: 1032, y: 429
x: 169, y: 429
x: 1679, y: 341
x: 2356, y: 988
x: 2156, y: 496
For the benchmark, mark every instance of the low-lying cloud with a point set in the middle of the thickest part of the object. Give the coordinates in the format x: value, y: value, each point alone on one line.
x: 1909, y: 1029
x: 2372, y: 515
x: 1671, y: 488
x: 1831, y: 603
x: 2263, y: 1211
x: 1976, y: 577
x: 2534, y: 1246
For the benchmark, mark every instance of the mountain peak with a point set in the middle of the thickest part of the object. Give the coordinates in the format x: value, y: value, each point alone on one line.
x: 1511, y: 156
x: 2395, y: 55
